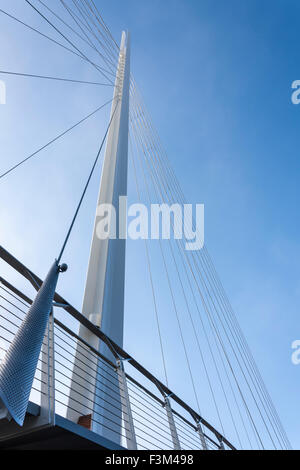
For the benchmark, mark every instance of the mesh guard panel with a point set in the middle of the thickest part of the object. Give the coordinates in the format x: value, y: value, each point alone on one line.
x: 19, y: 365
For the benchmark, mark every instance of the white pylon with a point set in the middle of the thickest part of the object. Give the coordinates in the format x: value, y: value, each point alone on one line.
x: 103, y: 302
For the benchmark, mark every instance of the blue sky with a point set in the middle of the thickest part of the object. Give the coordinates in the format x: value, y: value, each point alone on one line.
x: 217, y: 78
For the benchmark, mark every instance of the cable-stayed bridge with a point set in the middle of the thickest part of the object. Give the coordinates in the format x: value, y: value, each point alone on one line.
x: 66, y: 379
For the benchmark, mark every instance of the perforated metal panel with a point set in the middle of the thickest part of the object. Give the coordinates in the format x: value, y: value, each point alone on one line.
x: 18, y: 367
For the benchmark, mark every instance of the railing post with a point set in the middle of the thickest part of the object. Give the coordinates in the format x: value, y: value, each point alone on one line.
x: 173, y: 430
x: 126, y: 407
x: 201, y: 435
x: 47, y: 375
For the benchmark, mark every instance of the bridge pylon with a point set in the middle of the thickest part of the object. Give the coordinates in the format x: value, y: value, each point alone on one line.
x: 103, y: 302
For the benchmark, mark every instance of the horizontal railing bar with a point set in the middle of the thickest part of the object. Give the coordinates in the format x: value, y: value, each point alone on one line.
x: 14, y: 296
x: 83, y: 362
x: 134, y: 406
x: 152, y: 395
x: 133, y: 396
x: 140, y: 445
x: 189, y: 428
x: 191, y: 431
x: 150, y: 435
x: 183, y: 435
x: 144, y: 439
x: 10, y: 321
x: 12, y: 333
x: 151, y: 429
x: 156, y: 417
x: 71, y: 333
x: 15, y: 290
x: 142, y: 403
x: 5, y: 350
x: 37, y: 390
x: 157, y: 404
x: 11, y: 313
x: 6, y: 329
x: 183, y: 438
x: 14, y: 305
x: 96, y: 381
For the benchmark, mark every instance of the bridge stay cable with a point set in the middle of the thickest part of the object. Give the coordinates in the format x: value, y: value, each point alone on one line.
x: 200, y: 254
x: 247, y: 351
x: 232, y: 369
x: 84, y: 39
x: 195, y: 332
x: 205, y: 250
x: 275, y: 431
x: 172, y: 296
x: 150, y: 273
x: 108, y: 60
x: 87, y: 24
x: 44, y: 35
x: 103, y: 31
x: 45, y: 77
x: 86, y: 186
x: 200, y: 274
x: 189, y: 312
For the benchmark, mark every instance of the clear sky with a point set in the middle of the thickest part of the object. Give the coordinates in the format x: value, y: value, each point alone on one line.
x: 216, y: 76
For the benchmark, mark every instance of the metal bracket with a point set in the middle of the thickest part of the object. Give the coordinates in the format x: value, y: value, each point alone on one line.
x: 57, y: 304
x: 33, y: 281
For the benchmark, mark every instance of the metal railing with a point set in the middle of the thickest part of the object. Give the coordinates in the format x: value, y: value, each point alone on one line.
x: 136, y: 409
